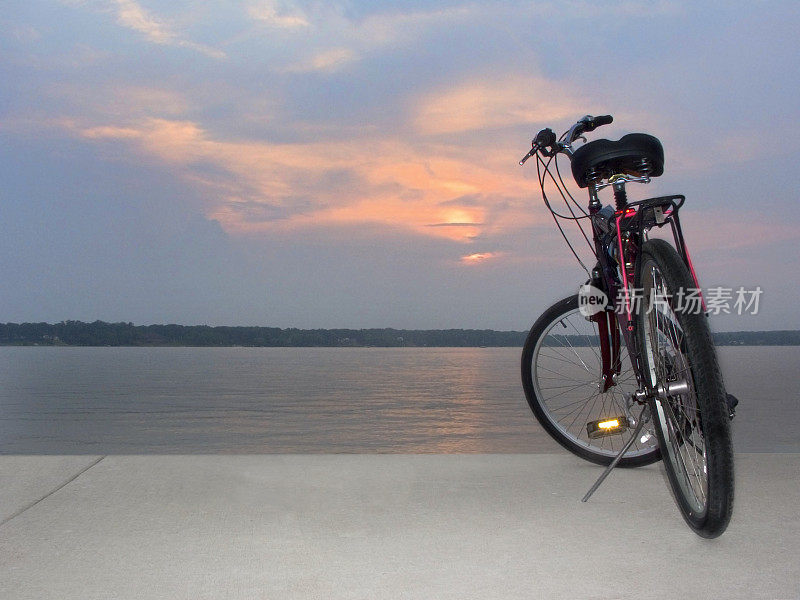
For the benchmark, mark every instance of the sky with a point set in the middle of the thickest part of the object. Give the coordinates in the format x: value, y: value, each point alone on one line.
x: 354, y: 164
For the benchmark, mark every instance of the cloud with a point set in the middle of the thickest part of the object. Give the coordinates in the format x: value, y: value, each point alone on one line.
x: 735, y: 232
x: 271, y: 14
x: 132, y: 15
x: 479, y: 257
x: 107, y: 131
x: 117, y: 101
x: 395, y: 27
x: 494, y: 103
x: 258, y: 187
x: 328, y: 35
x: 327, y: 61
x: 25, y: 34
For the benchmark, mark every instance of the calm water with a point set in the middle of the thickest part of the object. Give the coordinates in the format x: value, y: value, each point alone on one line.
x: 285, y: 400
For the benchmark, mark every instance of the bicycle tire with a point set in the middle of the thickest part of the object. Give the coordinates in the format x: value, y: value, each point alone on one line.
x: 692, y: 424
x: 563, y: 408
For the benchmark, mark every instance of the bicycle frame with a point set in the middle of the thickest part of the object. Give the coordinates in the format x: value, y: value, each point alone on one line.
x: 621, y: 235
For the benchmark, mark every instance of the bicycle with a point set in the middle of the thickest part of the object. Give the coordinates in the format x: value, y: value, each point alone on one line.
x: 624, y: 373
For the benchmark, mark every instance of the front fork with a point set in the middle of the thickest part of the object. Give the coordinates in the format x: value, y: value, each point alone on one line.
x: 608, y: 325
x: 608, y: 332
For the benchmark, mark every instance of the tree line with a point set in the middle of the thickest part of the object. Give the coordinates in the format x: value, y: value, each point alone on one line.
x: 100, y: 333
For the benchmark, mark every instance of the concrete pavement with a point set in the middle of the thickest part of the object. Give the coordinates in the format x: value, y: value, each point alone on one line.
x: 383, y: 526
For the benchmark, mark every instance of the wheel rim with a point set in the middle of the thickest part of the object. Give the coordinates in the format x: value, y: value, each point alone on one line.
x: 677, y: 415
x: 566, y: 370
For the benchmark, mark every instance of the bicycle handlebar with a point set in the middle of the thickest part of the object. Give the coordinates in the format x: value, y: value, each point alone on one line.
x: 586, y: 124
x: 600, y: 121
x: 545, y: 140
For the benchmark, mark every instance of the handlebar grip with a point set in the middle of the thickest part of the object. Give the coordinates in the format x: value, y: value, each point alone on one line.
x: 546, y: 137
x: 603, y: 120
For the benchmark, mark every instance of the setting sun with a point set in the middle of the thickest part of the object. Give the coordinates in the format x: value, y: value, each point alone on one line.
x: 479, y: 257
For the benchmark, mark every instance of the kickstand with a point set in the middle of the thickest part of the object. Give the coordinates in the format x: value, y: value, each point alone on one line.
x: 628, y: 444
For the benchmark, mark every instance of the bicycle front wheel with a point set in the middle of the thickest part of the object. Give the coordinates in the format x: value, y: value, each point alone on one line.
x: 690, y: 409
x: 561, y: 372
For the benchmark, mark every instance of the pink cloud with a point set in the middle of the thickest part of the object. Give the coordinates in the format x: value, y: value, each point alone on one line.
x: 479, y: 257
x: 387, y: 181
x: 494, y: 103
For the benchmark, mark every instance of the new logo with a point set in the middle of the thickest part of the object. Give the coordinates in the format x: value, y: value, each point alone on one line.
x: 591, y: 300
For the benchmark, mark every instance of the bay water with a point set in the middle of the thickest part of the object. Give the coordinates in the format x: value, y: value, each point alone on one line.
x: 71, y: 400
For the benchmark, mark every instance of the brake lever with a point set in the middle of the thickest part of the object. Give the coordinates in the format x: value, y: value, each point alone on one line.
x: 533, y: 151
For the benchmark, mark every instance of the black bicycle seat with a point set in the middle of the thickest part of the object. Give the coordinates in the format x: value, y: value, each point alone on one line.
x: 623, y: 156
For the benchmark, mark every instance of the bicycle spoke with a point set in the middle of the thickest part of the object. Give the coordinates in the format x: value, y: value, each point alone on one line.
x: 567, y: 376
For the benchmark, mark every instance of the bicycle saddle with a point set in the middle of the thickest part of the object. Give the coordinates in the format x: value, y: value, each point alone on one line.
x: 624, y: 156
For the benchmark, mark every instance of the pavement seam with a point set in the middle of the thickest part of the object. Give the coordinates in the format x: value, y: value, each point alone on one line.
x: 51, y: 492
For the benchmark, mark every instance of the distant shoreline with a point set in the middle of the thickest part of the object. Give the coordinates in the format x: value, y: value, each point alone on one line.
x: 100, y: 333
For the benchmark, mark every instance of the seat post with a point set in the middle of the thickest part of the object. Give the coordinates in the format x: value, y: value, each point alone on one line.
x: 594, y: 201
x: 620, y: 195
